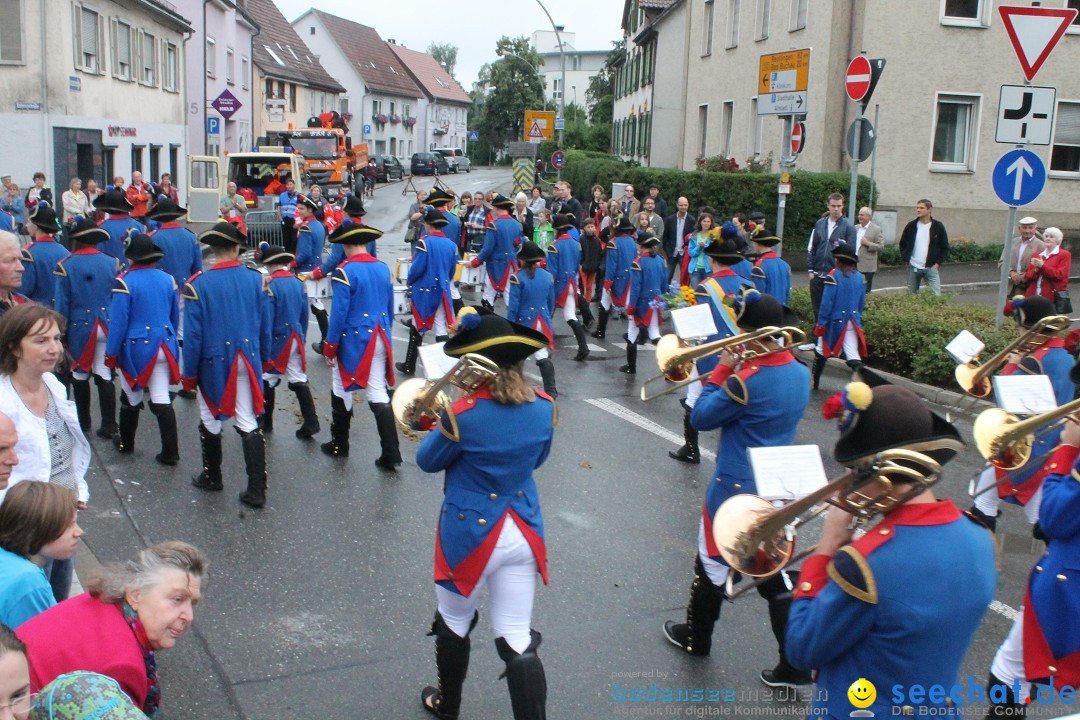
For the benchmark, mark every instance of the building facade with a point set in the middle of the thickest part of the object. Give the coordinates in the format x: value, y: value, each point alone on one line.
x: 444, y: 105
x: 581, y: 66
x: 635, y: 68
x: 936, y: 111
x: 382, y: 96
x: 107, y: 98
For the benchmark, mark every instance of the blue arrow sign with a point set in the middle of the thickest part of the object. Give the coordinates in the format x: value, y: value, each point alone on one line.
x: 1019, y: 177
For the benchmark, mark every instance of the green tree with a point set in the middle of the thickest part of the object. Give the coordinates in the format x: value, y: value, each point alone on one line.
x: 513, y: 87
x: 601, y: 92
x: 445, y: 54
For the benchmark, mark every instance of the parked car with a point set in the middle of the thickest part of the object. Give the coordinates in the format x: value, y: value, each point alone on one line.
x: 388, y: 168
x: 426, y: 163
x: 456, y: 159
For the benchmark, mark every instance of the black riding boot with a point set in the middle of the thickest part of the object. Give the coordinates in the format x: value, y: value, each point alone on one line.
x: 819, y: 368
x: 457, y: 304
x: 388, y: 437
x: 307, y: 410
x: 776, y: 593
x: 1010, y: 706
x: 340, y: 420
x: 323, y: 319
x: 582, y: 342
x: 525, y: 679
x: 107, y: 404
x: 210, y: 477
x: 166, y: 420
x: 266, y: 422
x: 254, y: 444
x: 601, y: 324
x: 689, y: 452
x: 630, y: 368
x: 452, y: 664
x: 989, y: 522
x: 80, y: 389
x: 441, y: 338
x: 124, y: 439
x: 586, y: 312
x: 411, y: 353
x: 547, y: 373
x: 855, y: 365
x: 695, y: 635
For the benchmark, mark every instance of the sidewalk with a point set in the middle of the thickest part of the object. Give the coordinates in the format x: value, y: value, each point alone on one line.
x: 955, y: 278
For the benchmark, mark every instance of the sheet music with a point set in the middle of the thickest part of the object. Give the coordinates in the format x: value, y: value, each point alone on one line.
x: 1024, y: 394
x: 436, y: 363
x: 964, y: 347
x: 787, y: 473
x: 695, y: 321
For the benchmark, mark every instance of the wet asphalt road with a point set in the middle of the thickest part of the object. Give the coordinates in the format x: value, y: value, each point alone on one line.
x: 318, y: 605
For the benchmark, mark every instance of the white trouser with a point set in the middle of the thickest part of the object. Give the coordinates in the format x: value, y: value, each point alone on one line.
x: 633, y: 330
x: 439, y: 326
x: 606, y: 300
x: 489, y: 289
x: 455, y: 291
x: 376, y: 383
x: 316, y: 290
x: 510, y: 577
x: 717, y: 571
x: 569, y: 310
x: 180, y: 322
x: 294, y: 371
x: 542, y: 354
x: 158, y: 384
x: 244, y: 414
x: 98, y: 365
x: 694, y: 389
x: 989, y: 502
x: 1008, y: 663
x: 851, y: 344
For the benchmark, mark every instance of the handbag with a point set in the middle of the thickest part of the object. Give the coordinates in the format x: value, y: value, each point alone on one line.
x: 411, y: 233
x: 1062, y: 302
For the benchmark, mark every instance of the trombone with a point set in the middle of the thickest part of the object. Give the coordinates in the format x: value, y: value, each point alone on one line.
x: 975, y: 377
x: 417, y: 403
x: 1006, y: 441
x: 675, y: 357
x: 758, y: 540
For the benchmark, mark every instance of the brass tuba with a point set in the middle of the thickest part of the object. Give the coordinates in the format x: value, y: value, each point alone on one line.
x: 975, y: 377
x: 1006, y: 441
x: 417, y: 402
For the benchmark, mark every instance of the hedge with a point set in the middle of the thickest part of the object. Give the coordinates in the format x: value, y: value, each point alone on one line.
x: 728, y: 193
x: 960, y: 251
x: 907, y: 334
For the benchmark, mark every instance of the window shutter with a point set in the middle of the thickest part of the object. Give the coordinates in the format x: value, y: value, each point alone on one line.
x: 1067, y: 130
x: 123, y: 49
x: 76, y: 24
x: 114, y: 42
x: 138, y: 73
x: 100, y: 43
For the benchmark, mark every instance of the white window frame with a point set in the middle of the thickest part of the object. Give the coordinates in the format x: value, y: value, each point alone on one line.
x: 727, y: 125
x: 974, y: 122
x: 1061, y: 174
x: 245, y: 72
x: 733, y: 20
x: 118, y: 29
x: 708, y: 23
x: 21, y: 14
x: 703, y: 131
x: 756, y: 128
x: 143, y: 60
x: 981, y: 20
x: 230, y: 66
x: 1073, y: 29
x: 97, y: 67
x: 210, y: 57
x: 762, y: 20
x: 170, y: 68
x: 798, y: 15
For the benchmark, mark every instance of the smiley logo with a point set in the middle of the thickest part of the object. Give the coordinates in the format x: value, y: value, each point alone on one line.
x: 862, y: 693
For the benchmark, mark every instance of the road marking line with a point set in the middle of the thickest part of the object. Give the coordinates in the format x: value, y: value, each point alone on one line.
x: 596, y: 348
x: 1002, y: 609
x: 643, y: 422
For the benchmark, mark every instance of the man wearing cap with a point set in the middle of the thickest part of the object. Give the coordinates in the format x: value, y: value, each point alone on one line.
x: 41, y: 255
x: 1025, y: 246
x: 648, y: 281
x: 358, y: 343
x: 289, y: 320
x: 900, y: 605
x: 226, y: 348
x: 620, y: 252
x: 839, y: 321
x: 183, y: 256
x: 564, y: 263
x: 431, y: 275
x: 497, y: 254
x: 142, y: 344
x: 84, y: 285
x: 758, y: 223
x: 138, y: 195
x: 754, y: 404
x: 310, y: 241
x: 286, y: 210
x: 531, y: 303
x: 117, y: 223
x: 771, y: 274
x: 11, y: 272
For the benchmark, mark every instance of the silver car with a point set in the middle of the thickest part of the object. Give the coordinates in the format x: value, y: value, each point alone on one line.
x: 456, y: 159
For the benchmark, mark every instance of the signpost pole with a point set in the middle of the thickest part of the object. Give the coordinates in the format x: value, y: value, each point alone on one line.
x: 785, y: 162
x: 1005, y: 267
x: 853, y: 188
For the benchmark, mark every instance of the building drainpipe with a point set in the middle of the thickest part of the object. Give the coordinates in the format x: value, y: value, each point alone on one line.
x: 45, y: 91
x: 251, y: 83
x: 205, y: 91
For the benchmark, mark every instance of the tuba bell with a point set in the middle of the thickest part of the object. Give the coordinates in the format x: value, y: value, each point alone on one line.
x: 418, y: 403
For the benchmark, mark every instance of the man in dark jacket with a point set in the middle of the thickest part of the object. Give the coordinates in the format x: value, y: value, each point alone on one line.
x: 676, y: 227
x: 924, y: 245
x: 830, y: 232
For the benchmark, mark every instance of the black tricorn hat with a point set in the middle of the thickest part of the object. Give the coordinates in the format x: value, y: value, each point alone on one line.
x: 530, y: 252
x: 724, y: 251
x: 352, y: 233
x: 435, y: 218
x: 562, y: 221
x: 223, y: 234
x: 845, y: 251
x: 757, y: 215
x: 165, y: 210
x: 1029, y: 310
x: 438, y: 196
x: 115, y: 202
x: 755, y: 309
x: 44, y: 217
x: 354, y: 207
x: 503, y: 342
x: 275, y: 255
x: 86, y: 232
x: 624, y: 225
x: 307, y: 202
x: 647, y: 240
x: 501, y: 201
x: 141, y: 249
x: 766, y: 240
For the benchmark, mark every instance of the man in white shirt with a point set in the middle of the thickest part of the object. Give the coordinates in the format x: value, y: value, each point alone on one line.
x: 676, y: 227
x: 924, y: 245
x: 1025, y: 246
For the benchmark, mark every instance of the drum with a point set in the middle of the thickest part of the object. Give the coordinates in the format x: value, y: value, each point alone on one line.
x: 401, y: 300
x: 318, y: 289
x: 401, y: 270
x: 470, y: 275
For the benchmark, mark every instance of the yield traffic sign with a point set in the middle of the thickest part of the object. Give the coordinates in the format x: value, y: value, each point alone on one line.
x: 1019, y: 177
x: 798, y: 137
x: 1034, y: 32
x: 858, y: 78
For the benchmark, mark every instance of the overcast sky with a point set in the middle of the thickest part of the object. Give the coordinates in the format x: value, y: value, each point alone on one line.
x: 473, y: 26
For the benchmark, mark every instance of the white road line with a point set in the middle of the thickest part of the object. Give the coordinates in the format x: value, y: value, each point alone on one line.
x: 642, y: 422
x: 596, y: 348
x: 1002, y: 609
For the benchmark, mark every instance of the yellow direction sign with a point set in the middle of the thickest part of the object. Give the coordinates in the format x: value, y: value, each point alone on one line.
x: 784, y: 83
x: 539, y: 125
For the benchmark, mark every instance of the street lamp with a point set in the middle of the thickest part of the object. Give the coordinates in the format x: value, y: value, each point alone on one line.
x: 574, y: 88
x: 562, y: 84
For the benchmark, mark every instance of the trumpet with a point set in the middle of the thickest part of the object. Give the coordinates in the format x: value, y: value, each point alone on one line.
x: 975, y: 377
x: 675, y: 357
x: 758, y: 540
x: 417, y: 403
x: 1005, y: 440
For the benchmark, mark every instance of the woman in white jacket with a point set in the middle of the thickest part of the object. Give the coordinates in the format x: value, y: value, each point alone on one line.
x: 51, y: 446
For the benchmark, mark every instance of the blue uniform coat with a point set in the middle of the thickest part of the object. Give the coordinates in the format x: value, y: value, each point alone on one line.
x: 452, y: 229
x: 362, y: 310
x: 118, y: 227
x: 724, y: 284
x: 39, y: 260
x: 183, y: 255
x: 84, y: 285
x: 489, y: 478
x: 842, y: 303
x: 289, y: 310
x: 431, y: 275
x: 532, y: 301
x: 310, y: 240
x: 772, y: 276
x: 143, y: 317
x: 620, y: 254
x: 498, y: 253
x: 648, y: 281
x: 564, y: 262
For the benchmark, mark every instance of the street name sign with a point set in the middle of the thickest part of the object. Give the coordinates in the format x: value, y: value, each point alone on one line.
x: 1034, y: 32
x: 1019, y: 177
x: 784, y: 83
x: 1026, y: 115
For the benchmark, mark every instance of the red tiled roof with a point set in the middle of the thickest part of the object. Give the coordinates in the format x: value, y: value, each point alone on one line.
x: 430, y: 76
x: 370, y: 56
x: 279, y: 51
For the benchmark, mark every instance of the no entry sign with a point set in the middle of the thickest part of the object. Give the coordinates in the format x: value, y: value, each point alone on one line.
x: 798, y: 137
x: 858, y: 78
